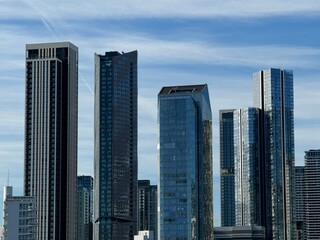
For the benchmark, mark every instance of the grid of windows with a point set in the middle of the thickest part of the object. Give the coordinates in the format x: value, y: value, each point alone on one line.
x: 115, y: 145
x: 185, y: 163
x: 227, y: 168
x: 247, y: 167
x: 300, y: 202
x: 51, y: 136
x: 312, y: 193
x: 20, y: 217
x: 273, y: 94
x: 147, y: 207
x: 85, y: 208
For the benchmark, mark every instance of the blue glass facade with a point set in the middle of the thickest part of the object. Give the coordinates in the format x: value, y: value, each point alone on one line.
x: 227, y: 168
x: 273, y: 94
x: 185, y: 163
x: 115, y: 148
x: 247, y: 167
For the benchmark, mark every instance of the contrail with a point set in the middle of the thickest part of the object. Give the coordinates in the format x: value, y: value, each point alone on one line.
x: 43, y: 19
x: 47, y: 24
x: 48, y: 27
x: 86, y: 83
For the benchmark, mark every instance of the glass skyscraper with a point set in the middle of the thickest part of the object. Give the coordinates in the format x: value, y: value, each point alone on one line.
x: 115, y: 147
x: 85, y: 208
x: 273, y: 94
x: 185, y: 163
x: 227, y: 168
x: 247, y: 167
x: 312, y: 193
x: 51, y: 137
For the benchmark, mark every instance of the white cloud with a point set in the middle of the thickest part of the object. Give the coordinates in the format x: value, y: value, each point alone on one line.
x: 99, y: 9
x: 154, y: 51
x: 164, y: 52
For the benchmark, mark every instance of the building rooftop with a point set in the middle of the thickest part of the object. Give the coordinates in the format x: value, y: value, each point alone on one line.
x: 51, y: 45
x: 240, y: 232
x: 182, y: 89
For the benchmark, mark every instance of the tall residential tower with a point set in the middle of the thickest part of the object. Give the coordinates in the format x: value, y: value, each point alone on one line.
x: 115, y: 146
x: 185, y: 163
x: 312, y: 194
x: 51, y: 136
x: 273, y: 94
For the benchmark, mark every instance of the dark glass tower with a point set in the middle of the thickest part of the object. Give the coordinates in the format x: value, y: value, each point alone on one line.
x: 300, y: 202
x: 85, y: 208
x: 115, y: 148
x: 51, y: 128
x: 273, y: 94
x: 185, y: 163
x: 147, y: 207
x: 227, y: 168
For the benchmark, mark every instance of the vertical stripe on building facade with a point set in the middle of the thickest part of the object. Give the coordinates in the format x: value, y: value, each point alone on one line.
x: 51, y: 116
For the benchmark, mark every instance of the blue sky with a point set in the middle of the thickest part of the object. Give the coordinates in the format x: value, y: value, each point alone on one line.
x: 218, y: 42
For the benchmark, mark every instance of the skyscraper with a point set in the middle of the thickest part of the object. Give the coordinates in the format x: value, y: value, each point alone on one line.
x: 51, y: 128
x: 85, y: 208
x: 273, y: 94
x: 312, y: 193
x: 185, y: 163
x: 247, y: 167
x: 300, y: 202
x: 227, y: 168
x: 147, y: 207
x: 115, y: 147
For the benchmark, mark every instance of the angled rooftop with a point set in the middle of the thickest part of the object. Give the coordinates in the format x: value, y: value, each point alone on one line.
x: 183, y: 89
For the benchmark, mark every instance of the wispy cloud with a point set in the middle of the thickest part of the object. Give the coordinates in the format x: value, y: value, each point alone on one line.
x: 73, y: 9
x: 155, y: 51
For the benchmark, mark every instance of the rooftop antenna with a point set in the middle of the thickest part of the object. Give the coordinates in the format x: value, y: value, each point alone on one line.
x: 8, y: 177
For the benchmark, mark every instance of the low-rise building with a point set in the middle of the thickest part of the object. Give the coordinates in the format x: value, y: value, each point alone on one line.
x: 19, y: 216
x: 144, y: 235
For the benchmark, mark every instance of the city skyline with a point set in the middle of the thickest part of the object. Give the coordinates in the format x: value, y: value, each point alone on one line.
x: 211, y: 44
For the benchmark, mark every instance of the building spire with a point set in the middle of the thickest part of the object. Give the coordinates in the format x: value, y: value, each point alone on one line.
x: 8, y: 177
